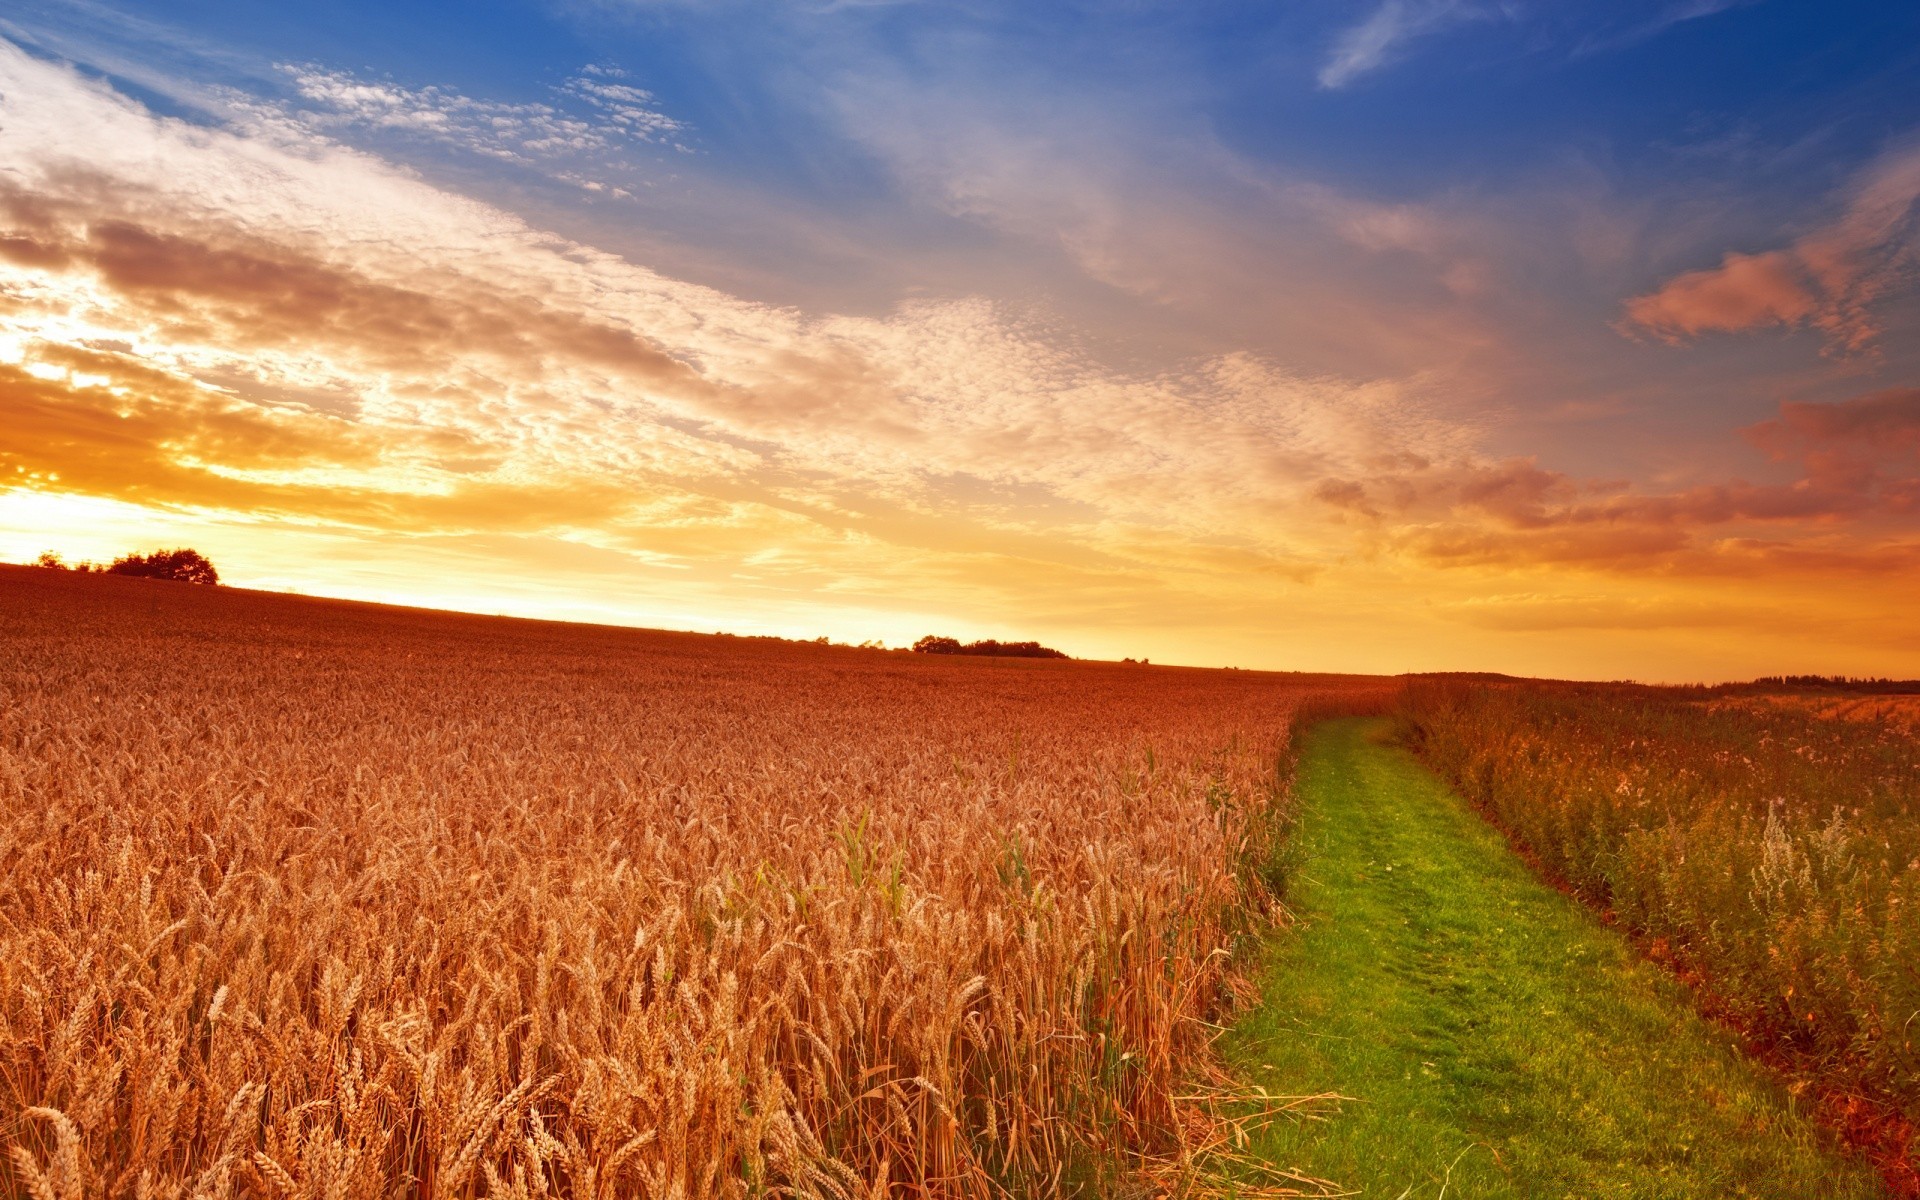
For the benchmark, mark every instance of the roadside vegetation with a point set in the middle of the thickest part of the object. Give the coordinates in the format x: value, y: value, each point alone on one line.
x: 1764, y: 847
x: 1493, y: 1038
x: 307, y: 898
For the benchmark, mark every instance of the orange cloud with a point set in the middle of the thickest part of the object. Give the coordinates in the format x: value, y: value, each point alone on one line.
x: 1746, y: 291
x: 139, y: 435
x: 1830, y: 280
x: 1868, y: 446
x: 1883, y: 424
x: 1534, y: 612
x: 244, y: 291
x: 1859, y: 463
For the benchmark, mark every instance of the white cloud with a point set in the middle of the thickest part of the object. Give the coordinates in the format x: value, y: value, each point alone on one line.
x: 618, y: 115
x: 1670, y: 15
x: 1384, y: 36
x: 1377, y: 40
x: 460, y: 347
x: 628, y: 109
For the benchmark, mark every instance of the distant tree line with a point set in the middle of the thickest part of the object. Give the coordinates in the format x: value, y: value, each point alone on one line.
x: 1835, y: 683
x: 1766, y: 684
x: 989, y: 647
x: 181, y: 566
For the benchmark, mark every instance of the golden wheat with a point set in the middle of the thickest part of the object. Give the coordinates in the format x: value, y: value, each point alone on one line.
x: 309, y: 899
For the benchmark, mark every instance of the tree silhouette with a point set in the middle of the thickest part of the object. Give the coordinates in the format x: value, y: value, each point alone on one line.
x: 182, y: 566
x: 947, y: 645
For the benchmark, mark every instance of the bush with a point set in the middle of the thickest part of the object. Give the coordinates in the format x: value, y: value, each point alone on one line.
x: 52, y: 561
x: 181, y: 566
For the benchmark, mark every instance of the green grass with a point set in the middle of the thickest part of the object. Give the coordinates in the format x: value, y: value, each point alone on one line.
x: 1497, y: 1039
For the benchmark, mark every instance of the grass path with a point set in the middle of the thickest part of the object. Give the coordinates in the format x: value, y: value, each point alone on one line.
x: 1500, y: 1042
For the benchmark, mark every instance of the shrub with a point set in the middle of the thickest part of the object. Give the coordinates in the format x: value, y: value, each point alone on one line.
x: 52, y: 561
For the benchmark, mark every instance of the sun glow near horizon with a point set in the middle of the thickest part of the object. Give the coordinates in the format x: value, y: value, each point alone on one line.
x: 345, y: 364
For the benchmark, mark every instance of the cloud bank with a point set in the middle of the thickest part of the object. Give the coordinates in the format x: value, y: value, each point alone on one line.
x: 248, y: 325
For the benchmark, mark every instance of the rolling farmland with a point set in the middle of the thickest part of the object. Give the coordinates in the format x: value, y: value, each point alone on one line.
x: 306, y: 898
x: 1369, y: 379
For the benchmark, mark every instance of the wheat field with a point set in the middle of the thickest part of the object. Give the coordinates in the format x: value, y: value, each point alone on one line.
x: 303, y: 898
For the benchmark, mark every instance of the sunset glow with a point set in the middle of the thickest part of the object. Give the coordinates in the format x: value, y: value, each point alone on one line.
x: 1365, y: 338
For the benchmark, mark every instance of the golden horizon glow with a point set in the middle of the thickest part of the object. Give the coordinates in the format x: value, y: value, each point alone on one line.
x: 337, y: 378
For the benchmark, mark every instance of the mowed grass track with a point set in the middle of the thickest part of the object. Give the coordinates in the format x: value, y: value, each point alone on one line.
x: 1497, y: 1040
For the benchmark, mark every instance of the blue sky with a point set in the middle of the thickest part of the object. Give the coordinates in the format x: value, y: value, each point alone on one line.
x: 1447, y: 90
x: 1781, y: 98
x: 1482, y: 289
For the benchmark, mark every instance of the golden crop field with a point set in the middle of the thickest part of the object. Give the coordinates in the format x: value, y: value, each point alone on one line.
x: 302, y: 898
x: 1902, y: 710
x: 1768, y: 847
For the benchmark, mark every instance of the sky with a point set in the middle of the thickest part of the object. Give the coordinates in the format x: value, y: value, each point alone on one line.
x: 1575, y: 338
